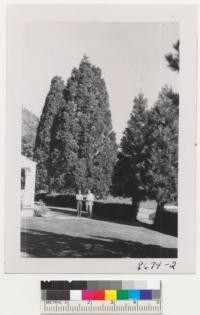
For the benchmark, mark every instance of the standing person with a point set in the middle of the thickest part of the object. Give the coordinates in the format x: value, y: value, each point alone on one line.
x: 79, y: 199
x: 89, y: 203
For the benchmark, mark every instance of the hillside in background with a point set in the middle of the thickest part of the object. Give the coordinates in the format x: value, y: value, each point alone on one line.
x: 29, y: 129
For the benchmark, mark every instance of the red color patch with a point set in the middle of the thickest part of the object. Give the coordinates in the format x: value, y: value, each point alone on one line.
x: 98, y: 295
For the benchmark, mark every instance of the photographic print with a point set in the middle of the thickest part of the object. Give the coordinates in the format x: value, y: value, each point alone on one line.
x: 103, y: 141
x: 99, y: 137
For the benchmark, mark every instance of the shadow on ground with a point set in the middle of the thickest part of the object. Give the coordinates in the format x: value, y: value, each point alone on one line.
x: 47, y: 244
x: 166, y: 223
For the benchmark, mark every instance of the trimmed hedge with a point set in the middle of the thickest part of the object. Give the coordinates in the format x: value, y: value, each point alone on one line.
x: 101, y: 210
x: 64, y: 200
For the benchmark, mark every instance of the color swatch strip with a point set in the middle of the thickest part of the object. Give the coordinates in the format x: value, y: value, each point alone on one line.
x: 100, y: 290
x: 101, y: 295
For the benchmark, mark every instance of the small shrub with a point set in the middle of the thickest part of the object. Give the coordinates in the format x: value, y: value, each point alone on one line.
x: 40, y: 210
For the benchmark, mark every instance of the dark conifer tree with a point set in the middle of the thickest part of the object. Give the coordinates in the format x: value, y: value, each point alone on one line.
x: 54, y: 101
x: 162, y: 137
x: 128, y: 179
x: 63, y: 159
x: 147, y: 165
x: 83, y: 143
x: 162, y: 152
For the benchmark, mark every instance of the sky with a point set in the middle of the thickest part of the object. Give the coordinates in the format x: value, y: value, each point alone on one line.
x: 130, y: 55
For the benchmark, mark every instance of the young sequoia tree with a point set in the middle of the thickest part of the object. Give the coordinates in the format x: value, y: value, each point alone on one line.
x: 54, y: 101
x: 83, y: 141
x: 128, y: 178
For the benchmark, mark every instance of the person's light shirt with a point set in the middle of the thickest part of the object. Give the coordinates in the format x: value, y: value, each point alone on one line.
x: 90, y: 197
x: 79, y: 197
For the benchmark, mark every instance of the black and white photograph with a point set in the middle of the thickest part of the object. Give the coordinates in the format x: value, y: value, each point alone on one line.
x: 99, y: 138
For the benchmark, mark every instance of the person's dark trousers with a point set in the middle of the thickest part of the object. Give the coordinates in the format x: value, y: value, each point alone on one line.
x: 79, y: 207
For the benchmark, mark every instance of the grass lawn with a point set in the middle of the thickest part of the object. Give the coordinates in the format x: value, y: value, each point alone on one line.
x: 64, y: 235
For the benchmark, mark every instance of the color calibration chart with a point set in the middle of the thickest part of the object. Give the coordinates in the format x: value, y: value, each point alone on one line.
x: 64, y: 297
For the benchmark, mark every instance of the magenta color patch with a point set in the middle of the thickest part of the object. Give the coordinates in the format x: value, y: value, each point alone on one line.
x: 87, y: 294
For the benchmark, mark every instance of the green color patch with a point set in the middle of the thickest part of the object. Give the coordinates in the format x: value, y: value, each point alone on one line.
x: 122, y: 294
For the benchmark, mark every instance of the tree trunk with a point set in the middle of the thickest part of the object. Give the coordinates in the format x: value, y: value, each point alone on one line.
x: 158, y: 217
x: 135, y: 204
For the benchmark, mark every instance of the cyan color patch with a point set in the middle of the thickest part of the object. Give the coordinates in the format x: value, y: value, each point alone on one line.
x: 133, y: 294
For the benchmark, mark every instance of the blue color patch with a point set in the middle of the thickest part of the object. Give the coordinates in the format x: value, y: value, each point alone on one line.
x: 133, y: 294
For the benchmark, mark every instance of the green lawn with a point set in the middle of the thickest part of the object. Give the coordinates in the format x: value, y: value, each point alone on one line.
x: 63, y: 235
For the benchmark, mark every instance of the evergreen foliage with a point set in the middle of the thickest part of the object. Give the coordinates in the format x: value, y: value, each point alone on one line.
x: 83, y: 145
x: 162, y: 154
x: 147, y: 165
x: 53, y: 102
x: 128, y: 179
x: 173, y: 59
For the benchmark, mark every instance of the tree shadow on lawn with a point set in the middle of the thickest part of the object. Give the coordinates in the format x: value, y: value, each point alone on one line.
x: 50, y: 245
x: 165, y: 222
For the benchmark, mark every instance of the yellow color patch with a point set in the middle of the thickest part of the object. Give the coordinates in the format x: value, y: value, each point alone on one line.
x: 110, y: 294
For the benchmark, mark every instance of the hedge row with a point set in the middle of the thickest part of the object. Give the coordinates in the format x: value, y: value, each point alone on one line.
x: 117, y: 212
